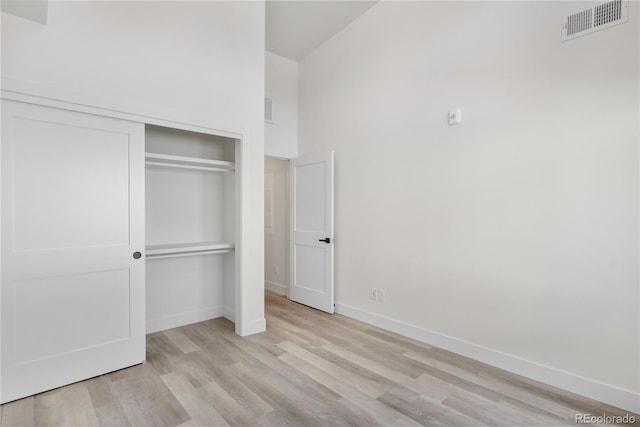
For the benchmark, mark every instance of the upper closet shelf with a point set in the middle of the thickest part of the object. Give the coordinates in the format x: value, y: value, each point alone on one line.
x: 168, y: 160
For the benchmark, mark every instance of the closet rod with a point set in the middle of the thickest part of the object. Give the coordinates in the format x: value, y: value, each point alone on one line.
x: 216, y: 251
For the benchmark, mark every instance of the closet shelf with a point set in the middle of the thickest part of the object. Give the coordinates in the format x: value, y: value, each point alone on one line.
x: 187, y: 249
x: 168, y: 160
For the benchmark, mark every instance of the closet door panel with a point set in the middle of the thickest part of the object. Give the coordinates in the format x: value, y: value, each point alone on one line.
x: 72, y: 294
x: 78, y: 176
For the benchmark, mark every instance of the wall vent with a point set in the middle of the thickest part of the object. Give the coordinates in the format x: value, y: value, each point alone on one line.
x: 268, y: 109
x: 594, y: 19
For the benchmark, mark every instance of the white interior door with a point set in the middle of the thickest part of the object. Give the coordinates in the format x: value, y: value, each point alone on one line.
x: 311, y: 249
x: 72, y: 293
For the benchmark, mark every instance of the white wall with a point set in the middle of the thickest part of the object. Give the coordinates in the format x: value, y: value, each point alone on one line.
x: 34, y: 10
x: 276, y: 237
x: 515, y: 233
x: 281, y: 84
x: 197, y: 62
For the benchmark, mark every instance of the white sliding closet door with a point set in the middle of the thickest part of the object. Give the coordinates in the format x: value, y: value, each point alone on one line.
x: 72, y: 293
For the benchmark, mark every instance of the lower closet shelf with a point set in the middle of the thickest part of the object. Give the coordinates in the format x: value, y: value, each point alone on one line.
x: 187, y: 249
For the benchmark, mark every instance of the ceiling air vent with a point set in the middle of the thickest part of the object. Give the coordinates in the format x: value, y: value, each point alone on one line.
x: 594, y: 19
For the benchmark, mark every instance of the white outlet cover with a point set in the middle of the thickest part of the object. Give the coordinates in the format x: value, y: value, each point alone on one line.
x: 381, y: 296
x: 455, y: 116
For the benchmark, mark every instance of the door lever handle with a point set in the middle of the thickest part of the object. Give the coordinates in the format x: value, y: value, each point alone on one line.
x: 326, y: 240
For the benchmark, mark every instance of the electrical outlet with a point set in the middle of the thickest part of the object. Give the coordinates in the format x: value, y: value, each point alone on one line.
x: 455, y: 116
x: 276, y: 270
x: 373, y: 294
x: 381, y: 295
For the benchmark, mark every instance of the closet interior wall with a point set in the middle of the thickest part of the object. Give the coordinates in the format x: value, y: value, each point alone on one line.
x: 190, y: 227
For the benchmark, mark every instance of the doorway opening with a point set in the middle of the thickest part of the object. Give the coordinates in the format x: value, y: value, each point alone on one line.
x: 276, y: 225
x: 299, y: 238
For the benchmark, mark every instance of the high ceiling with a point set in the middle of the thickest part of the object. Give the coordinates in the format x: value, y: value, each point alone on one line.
x: 295, y: 28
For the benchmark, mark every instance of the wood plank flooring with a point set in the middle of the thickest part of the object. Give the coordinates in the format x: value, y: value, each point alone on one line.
x: 308, y: 369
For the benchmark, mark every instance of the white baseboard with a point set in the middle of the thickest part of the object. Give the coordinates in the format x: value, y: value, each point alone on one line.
x: 253, y: 327
x: 229, y: 313
x: 275, y: 287
x: 606, y: 393
x: 163, y: 323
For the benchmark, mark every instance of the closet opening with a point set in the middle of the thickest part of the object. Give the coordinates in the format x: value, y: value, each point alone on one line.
x: 190, y: 209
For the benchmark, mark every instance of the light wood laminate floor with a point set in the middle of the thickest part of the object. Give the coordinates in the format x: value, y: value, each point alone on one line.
x: 308, y: 369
